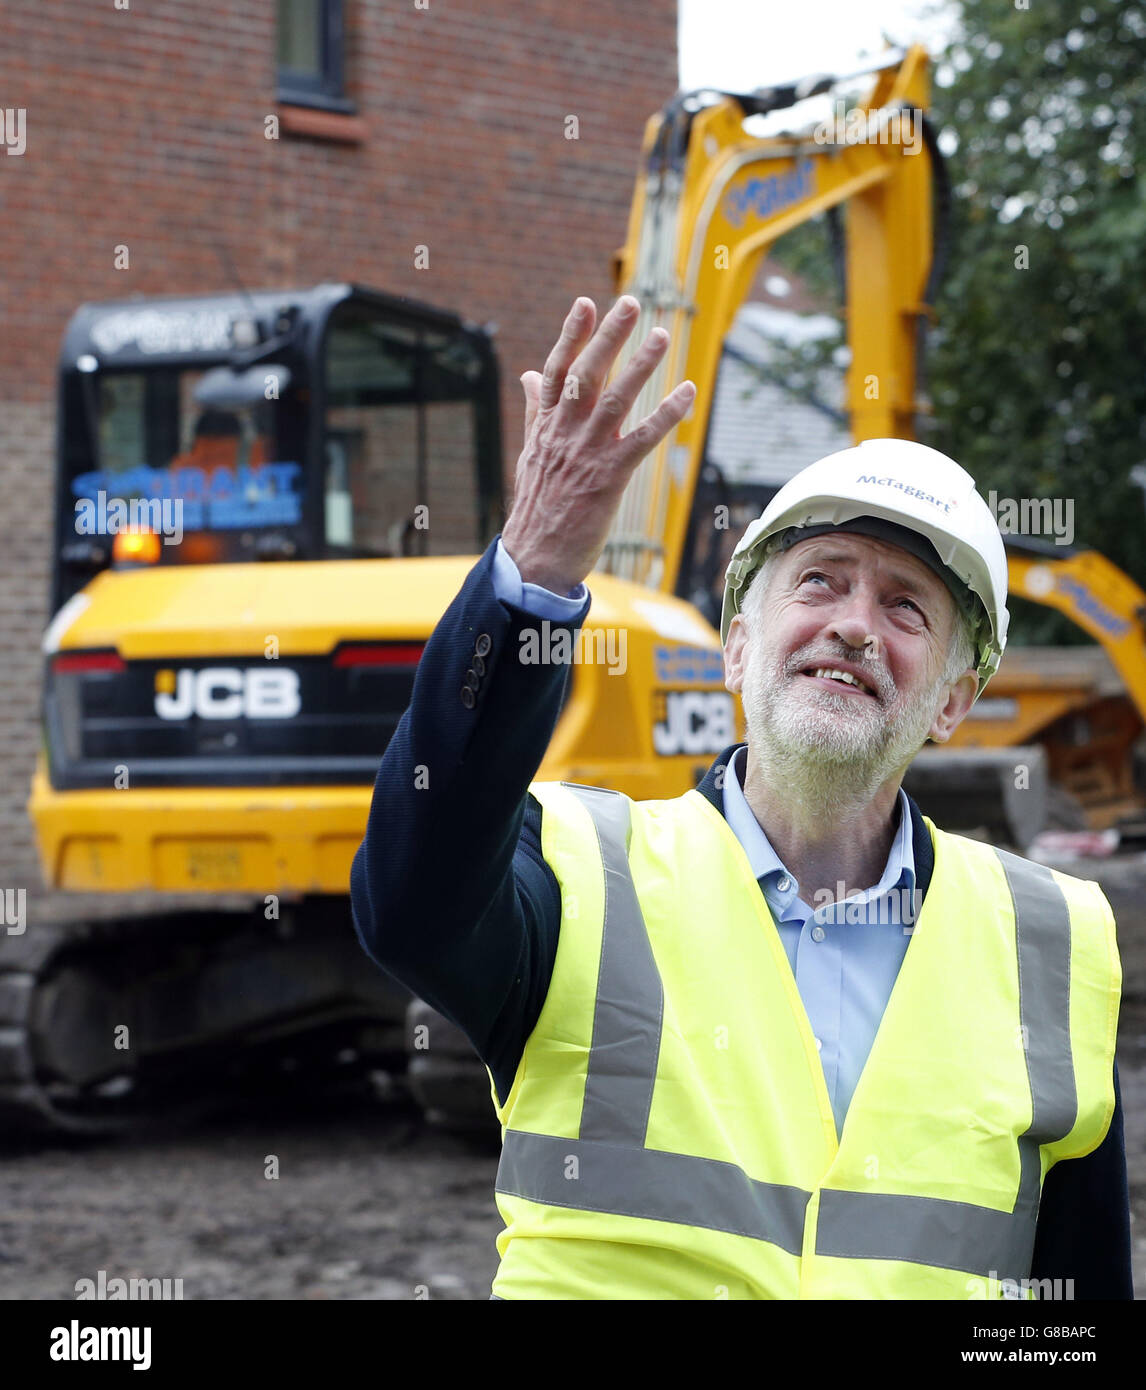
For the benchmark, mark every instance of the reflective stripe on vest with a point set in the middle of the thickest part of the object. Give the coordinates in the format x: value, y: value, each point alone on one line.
x: 617, y: 1174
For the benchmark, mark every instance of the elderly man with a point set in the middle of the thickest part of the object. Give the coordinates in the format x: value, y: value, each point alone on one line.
x: 780, y: 1037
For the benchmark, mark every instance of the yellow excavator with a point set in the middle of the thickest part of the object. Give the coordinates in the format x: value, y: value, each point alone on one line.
x: 710, y: 203
x: 264, y: 504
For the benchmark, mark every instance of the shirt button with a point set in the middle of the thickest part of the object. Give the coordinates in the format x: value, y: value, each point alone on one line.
x: 817, y: 933
x: 819, y: 1044
x: 784, y: 883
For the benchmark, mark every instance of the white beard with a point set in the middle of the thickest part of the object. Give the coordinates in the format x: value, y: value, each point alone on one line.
x: 828, y: 746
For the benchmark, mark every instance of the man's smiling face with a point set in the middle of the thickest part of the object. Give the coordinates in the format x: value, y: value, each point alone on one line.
x: 843, y: 655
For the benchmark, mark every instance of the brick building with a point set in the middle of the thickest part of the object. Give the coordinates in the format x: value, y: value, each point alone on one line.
x: 441, y: 123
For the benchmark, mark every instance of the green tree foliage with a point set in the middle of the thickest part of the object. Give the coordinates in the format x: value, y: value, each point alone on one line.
x: 1038, y: 374
x: 1036, y: 368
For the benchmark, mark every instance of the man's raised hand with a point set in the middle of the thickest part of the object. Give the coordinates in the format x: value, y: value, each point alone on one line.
x: 575, y: 465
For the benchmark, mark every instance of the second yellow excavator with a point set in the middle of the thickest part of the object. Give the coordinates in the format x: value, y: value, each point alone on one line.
x: 1052, y: 740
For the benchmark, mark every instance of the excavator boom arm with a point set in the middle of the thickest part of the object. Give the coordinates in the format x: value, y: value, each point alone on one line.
x: 710, y: 201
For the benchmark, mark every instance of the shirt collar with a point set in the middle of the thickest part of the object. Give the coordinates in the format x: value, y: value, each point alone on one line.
x: 899, y: 871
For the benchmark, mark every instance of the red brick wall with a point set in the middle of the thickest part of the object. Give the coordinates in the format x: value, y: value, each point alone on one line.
x: 145, y: 127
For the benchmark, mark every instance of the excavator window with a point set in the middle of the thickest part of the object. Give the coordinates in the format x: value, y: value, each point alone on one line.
x: 401, y: 427
x: 707, y: 549
x: 142, y: 454
x: 327, y: 428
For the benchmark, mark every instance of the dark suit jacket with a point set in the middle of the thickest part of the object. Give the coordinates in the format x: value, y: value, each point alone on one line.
x: 452, y: 896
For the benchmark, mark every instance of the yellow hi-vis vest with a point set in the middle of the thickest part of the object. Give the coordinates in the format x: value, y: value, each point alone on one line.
x: 669, y: 1132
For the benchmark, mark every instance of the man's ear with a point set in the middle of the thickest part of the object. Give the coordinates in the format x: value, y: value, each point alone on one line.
x: 735, y: 654
x: 960, y: 698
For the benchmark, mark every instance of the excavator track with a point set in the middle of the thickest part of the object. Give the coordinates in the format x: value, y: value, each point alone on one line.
x: 32, y: 1098
x: 110, y: 1027
x: 23, y: 1101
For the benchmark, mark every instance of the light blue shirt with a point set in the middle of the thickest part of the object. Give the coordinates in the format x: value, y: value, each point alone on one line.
x: 844, y: 956
x: 543, y: 603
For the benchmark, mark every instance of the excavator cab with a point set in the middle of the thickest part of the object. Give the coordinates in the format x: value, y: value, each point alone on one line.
x: 305, y: 425
x: 216, y: 456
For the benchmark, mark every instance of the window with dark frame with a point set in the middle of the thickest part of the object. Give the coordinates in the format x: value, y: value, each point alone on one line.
x: 310, y: 54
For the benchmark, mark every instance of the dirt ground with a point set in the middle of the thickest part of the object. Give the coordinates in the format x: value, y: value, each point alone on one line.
x: 369, y: 1203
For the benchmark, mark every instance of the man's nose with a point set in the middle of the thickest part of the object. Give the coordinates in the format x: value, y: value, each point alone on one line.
x: 855, y: 618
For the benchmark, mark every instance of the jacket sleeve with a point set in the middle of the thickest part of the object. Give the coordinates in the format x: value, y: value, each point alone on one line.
x: 449, y: 891
x: 1083, y: 1230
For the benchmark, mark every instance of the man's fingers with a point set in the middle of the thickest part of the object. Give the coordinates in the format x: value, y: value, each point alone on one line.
x: 653, y: 428
x: 531, y: 385
x: 592, y: 367
x: 618, y: 397
x: 577, y: 327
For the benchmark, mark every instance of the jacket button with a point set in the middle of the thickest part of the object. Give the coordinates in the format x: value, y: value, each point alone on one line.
x: 469, y: 699
x: 473, y: 680
x: 479, y: 665
x: 483, y: 644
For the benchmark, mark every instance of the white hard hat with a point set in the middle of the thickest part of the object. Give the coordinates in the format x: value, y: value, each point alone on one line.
x: 909, y: 486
